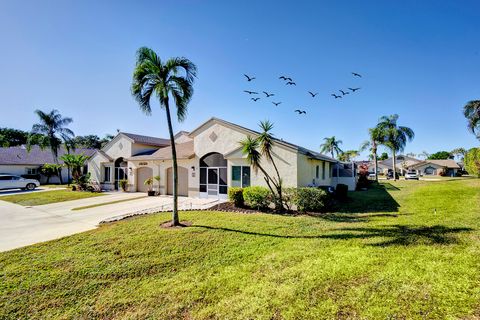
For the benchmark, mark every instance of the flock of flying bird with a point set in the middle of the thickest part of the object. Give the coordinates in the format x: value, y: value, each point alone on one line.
x: 289, y: 82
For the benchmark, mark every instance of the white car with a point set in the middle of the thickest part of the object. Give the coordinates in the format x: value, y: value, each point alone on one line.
x: 411, y: 175
x: 9, y: 181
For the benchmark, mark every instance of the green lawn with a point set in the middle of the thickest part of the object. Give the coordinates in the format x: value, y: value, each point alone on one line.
x: 39, y: 198
x: 387, y: 255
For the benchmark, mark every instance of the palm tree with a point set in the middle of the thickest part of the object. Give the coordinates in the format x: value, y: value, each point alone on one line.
x: 74, y: 162
x: 154, y: 77
x: 348, y: 155
x: 250, y: 148
x: 424, y: 154
x: 394, y: 137
x: 375, y: 139
x: 331, y: 145
x: 471, y: 111
x: 53, y: 129
x: 265, y: 140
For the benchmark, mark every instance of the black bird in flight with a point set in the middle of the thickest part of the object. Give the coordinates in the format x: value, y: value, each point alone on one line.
x: 343, y: 92
x: 300, y: 111
x: 356, y: 74
x: 249, y: 78
x: 255, y: 99
x: 335, y: 96
x: 282, y: 77
x: 354, y: 89
x: 291, y: 83
x: 268, y: 94
x: 313, y: 94
x: 250, y: 92
x: 276, y: 103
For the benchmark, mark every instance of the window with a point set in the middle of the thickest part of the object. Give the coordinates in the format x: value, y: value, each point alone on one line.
x: 106, y: 174
x: 240, y: 176
x: 32, y: 170
x: 323, y: 170
x: 317, y: 172
x: 5, y: 177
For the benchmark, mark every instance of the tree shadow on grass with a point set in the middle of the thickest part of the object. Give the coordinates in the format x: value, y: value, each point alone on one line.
x: 392, y: 235
x: 375, y: 199
x: 352, y: 218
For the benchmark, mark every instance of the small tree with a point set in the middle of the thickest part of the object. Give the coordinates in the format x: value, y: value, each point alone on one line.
x: 50, y: 170
x: 471, y: 111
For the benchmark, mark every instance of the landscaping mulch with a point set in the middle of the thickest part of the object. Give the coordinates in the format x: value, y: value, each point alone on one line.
x: 230, y: 207
x: 168, y: 225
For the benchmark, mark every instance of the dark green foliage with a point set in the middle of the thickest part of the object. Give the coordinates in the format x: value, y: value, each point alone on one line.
x: 10, y: 137
x: 235, y: 195
x: 341, y: 191
x: 312, y: 200
x: 50, y: 169
x: 383, y: 156
x: 472, y: 162
x: 440, y: 155
x: 257, y: 197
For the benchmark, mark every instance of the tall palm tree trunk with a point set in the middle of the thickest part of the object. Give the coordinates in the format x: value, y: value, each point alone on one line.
x: 375, y: 159
x: 394, y: 165
x: 55, y: 160
x: 175, y: 220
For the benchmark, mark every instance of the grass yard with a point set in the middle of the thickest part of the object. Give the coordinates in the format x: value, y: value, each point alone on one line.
x: 386, y: 255
x: 39, y: 198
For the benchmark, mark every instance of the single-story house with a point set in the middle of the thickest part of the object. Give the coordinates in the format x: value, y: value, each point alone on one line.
x: 436, y: 167
x: 20, y: 161
x: 210, y: 160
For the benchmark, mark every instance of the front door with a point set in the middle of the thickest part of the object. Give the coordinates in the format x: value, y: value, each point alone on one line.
x: 212, y: 182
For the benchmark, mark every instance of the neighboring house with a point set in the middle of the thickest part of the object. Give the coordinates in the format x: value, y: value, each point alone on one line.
x: 20, y: 161
x: 210, y: 160
x: 436, y: 167
x: 402, y: 164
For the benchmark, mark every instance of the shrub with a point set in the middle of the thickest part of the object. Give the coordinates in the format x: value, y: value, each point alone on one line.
x: 341, y: 191
x: 123, y: 184
x: 289, y: 196
x: 312, y: 200
x: 257, y: 197
x: 235, y: 195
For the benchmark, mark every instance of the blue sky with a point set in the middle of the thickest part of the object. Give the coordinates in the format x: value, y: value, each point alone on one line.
x: 420, y: 59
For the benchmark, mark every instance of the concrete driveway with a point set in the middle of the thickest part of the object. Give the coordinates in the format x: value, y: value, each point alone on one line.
x: 21, y: 226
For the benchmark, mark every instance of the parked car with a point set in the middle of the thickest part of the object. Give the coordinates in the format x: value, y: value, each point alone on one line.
x: 8, y: 181
x: 411, y: 175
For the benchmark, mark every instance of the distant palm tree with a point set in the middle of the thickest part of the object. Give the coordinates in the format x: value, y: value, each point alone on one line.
x: 53, y: 129
x: 331, y: 145
x: 152, y: 76
x: 471, y: 111
x: 348, y: 155
x: 375, y: 139
x: 394, y: 137
x: 424, y: 154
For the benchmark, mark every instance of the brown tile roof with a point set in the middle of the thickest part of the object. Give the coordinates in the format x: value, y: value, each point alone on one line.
x: 184, y: 151
x: 152, y: 141
x: 449, y: 163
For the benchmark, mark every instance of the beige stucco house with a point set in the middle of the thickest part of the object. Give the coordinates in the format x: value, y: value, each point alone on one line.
x: 210, y: 161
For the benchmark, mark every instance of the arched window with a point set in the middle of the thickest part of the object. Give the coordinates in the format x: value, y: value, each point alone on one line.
x: 429, y: 170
